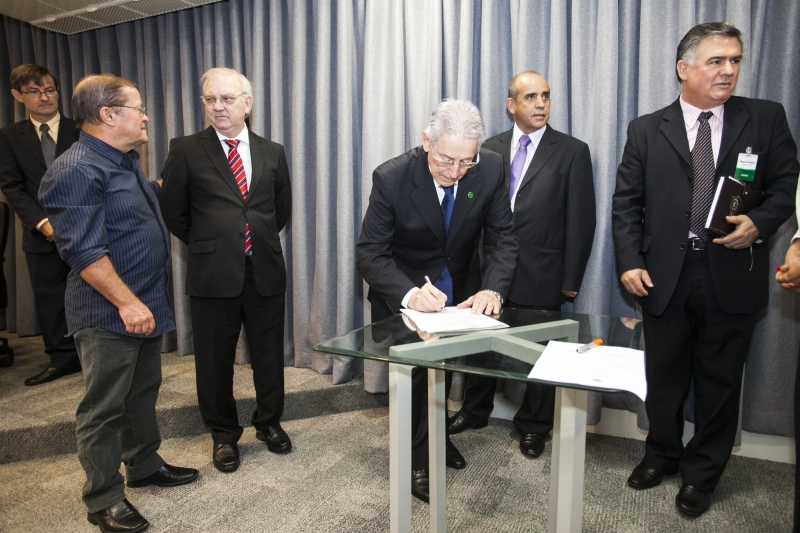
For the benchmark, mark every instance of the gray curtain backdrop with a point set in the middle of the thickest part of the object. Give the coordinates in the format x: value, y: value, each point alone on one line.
x: 347, y: 85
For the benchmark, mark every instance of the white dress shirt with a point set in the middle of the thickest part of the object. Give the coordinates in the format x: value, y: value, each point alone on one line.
x: 536, y: 138
x: 243, y: 149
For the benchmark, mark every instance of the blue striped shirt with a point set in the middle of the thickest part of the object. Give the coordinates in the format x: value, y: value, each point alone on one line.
x: 99, y: 203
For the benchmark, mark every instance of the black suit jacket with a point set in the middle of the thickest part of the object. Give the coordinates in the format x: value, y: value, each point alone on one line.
x: 203, y: 207
x: 403, y: 239
x: 653, y: 198
x: 21, y: 169
x: 554, y: 217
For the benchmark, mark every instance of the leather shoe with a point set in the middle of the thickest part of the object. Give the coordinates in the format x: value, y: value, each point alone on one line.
x: 276, y: 438
x: 692, y: 501
x: 226, y: 457
x: 167, y: 476
x: 419, y: 485
x: 532, y: 444
x: 458, y: 423
x: 50, y: 374
x: 452, y: 457
x: 122, y: 517
x: 644, y: 477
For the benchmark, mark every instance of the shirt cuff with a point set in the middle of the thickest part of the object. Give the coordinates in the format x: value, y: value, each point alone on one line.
x: 408, y: 296
x: 40, y: 224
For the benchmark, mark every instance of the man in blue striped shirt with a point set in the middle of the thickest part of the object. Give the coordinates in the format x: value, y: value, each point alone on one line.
x: 108, y: 228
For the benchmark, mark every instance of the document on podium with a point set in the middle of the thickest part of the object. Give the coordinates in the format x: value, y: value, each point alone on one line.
x: 451, y: 319
x: 604, y: 366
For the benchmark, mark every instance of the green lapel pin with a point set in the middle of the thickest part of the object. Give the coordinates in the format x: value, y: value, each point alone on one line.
x: 469, y: 194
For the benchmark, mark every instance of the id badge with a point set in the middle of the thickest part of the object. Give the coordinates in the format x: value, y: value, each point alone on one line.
x: 746, y: 166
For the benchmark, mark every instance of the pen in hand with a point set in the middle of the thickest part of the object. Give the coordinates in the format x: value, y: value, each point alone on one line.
x: 432, y: 285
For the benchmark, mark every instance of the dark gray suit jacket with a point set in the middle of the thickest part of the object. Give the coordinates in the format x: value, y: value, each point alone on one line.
x: 202, y: 206
x: 21, y: 169
x: 554, y: 217
x: 652, y: 202
x: 403, y: 239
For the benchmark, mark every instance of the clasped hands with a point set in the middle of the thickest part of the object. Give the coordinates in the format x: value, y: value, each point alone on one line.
x: 429, y: 299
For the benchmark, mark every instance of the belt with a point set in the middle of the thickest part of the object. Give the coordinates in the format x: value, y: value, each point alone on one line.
x: 697, y: 244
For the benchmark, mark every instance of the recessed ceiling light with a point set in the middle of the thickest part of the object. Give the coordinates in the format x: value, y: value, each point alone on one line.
x: 91, y: 9
x: 50, y: 19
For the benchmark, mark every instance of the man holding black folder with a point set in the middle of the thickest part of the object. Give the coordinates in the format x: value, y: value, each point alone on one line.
x: 698, y: 294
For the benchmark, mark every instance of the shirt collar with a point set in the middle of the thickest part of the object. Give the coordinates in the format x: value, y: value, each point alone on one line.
x: 243, y: 137
x: 52, y: 123
x: 536, y: 136
x: 690, y: 112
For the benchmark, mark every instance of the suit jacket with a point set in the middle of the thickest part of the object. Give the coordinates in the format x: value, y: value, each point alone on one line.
x: 21, y: 169
x: 203, y: 207
x: 403, y: 238
x: 653, y: 198
x: 554, y: 217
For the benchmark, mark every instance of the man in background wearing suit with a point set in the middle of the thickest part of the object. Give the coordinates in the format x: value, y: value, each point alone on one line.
x: 549, y: 177
x: 426, y: 212
x: 27, y: 149
x: 699, y: 294
x: 227, y: 196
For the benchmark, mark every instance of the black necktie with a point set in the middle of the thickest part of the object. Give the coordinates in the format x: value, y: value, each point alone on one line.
x: 48, y: 145
x: 703, y: 183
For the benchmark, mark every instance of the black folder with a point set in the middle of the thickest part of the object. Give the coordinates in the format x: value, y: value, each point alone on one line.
x: 733, y: 197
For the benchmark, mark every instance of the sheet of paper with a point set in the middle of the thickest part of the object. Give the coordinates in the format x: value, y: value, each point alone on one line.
x: 451, y: 319
x: 605, y: 366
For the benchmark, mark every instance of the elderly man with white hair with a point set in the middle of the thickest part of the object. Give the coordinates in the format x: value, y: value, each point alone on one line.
x: 227, y: 194
x: 427, y: 209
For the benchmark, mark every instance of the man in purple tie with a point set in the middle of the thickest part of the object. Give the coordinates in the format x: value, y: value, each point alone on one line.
x: 227, y: 195
x: 549, y: 177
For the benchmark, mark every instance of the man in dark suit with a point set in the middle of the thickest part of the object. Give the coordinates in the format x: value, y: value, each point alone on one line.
x: 227, y: 195
x: 426, y: 212
x: 549, y: 177
x: 27, y: 149
x: 699, y: 294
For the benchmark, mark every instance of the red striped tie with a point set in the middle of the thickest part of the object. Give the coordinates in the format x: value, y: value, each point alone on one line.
x: 237, y: 167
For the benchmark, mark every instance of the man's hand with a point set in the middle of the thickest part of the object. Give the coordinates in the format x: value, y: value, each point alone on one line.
x: 137, y: 318
x: 743, y: 236
x: 789, y: 273
x: 483, y: 302
x: 636, y: 280
x: 428, y: 299
x: 47, y: 231
x: 569, y: 294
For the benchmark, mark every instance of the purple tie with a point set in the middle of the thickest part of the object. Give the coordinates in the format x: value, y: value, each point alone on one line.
x: 518, y: 164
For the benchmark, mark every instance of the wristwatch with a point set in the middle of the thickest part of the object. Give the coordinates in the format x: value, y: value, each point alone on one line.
x: 496, y: 294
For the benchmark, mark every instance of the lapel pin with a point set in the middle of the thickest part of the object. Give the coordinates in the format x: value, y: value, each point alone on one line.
x: 469, y: 194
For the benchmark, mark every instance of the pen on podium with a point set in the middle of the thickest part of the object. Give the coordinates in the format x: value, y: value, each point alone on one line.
x: 587, y: 347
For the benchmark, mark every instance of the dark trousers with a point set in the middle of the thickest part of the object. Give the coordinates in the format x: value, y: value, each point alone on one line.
x: 536, y: 413
x: 694, y: 341
x: 49, y: 280
x: 216, y: 324
x: 116, y: 418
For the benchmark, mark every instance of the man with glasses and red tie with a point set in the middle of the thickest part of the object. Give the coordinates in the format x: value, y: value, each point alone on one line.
x: 227, y: 195
x: 426, y: 212
x: 27, y: 150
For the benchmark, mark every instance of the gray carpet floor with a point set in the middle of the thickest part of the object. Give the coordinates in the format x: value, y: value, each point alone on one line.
x: 336, y: 478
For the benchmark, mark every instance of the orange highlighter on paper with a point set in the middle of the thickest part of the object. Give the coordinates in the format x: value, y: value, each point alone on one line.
x: 587, y: 347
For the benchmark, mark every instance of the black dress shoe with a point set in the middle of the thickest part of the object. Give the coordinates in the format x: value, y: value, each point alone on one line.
x: 276, y: 438
x: 532, y: 444
x: 50, y: 374
x: 122, y: 517
x: 226, y: 457
x: 419, y: 485
x: 167, y: 476
x: 692, y: 501
x: 458, y: 423
x: 452, y: 457
x: 644, y: 477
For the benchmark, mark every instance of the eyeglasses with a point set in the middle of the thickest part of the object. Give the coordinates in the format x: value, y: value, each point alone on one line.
x: 36, y: 93
x: 447, y: 162
x: 141, y: 110
x: 227, y: 99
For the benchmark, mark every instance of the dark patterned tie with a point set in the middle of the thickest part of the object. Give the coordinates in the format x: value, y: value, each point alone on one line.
x: 518, y: 164
x: 237, y: 167
x: 703, y: 183
x: 445, y: 281
x: 48, y: 145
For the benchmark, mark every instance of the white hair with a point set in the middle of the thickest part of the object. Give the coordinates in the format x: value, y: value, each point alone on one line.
x: 247, y: 88
x: 459, y: 118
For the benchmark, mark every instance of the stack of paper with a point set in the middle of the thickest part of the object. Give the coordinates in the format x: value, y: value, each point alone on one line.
x: 451, y: 319
x: 607, y: 367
